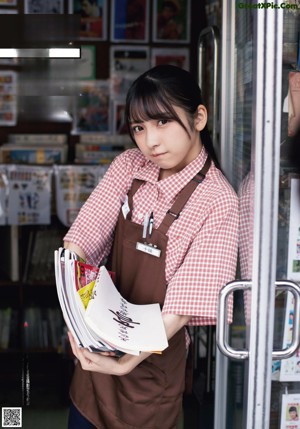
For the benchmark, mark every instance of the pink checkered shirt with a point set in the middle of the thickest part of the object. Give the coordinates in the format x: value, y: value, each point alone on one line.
x: 202, y: 246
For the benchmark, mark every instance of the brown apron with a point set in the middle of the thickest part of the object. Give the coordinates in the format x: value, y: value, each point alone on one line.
x: 150, y: 396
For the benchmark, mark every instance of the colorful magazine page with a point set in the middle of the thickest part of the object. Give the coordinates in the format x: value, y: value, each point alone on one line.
x: 85, y: 277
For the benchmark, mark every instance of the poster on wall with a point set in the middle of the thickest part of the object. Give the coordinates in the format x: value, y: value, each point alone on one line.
x: 171, y: 21
x: 129, y: 59
x: 126, y: 64
x: 92, y: 107
x: 29, y: 195
x: 93, y: 18
x: 8, y: 98
x: 129, y: 21
x: 175, y: 56
x: 290, y: 409
x: 43, y: 7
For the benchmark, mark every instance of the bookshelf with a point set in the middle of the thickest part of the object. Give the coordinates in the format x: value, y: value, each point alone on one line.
x: 32, y: 328
x: 31, y: 325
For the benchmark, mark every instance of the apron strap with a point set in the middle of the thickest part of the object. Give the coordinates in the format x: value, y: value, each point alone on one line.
x: 183, y: 196
x: 136, y: 184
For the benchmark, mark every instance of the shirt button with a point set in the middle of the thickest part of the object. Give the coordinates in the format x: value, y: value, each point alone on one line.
x: 140, y: 215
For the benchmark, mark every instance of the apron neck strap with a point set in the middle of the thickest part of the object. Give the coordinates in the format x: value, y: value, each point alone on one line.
x: 183, y: 196
x: 136, y: 184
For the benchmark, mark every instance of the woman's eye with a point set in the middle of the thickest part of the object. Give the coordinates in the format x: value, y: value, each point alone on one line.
x: 162, y: 121
x: 137, y: 128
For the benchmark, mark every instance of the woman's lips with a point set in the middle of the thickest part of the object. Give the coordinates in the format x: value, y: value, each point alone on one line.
x: 157, y: 155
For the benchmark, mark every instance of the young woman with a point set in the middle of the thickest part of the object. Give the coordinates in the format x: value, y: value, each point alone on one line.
x: 174, y: 178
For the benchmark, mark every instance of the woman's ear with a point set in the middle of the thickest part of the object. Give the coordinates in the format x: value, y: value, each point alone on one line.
x: 200, y: 117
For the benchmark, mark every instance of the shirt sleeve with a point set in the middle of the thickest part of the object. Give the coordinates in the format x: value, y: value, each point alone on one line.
x: 94, y: 226
x: 209, y: 264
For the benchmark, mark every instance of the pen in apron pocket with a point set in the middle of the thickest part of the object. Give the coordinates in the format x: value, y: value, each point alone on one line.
x: 145, y: 228
x: 151, y: 221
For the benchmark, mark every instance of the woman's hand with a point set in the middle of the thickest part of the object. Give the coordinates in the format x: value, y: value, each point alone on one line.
x: 103, y: 362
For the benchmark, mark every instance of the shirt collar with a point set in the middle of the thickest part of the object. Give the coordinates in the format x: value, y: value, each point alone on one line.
x: 172, y: 185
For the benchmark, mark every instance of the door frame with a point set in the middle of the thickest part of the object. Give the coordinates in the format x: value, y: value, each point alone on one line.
x: 266, y: 120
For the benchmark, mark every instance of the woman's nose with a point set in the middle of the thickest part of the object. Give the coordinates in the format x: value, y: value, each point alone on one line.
x: 152, y: 139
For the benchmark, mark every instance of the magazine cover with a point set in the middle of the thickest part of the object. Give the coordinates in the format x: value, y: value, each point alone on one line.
x: 129, y: 59
x: 73, y: 185
x: 29, y: 195
x: 126, y: 64
x: 92, y: 107
x: 171, y: 22
x: 8, y: 98
x: 290, y: 409
x: 129, y: 21
x: 93, y: 18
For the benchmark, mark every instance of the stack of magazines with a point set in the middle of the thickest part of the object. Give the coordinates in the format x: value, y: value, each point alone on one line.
x: 98, y: 317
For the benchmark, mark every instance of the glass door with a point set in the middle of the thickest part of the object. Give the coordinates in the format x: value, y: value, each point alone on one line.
x: 250, y: 388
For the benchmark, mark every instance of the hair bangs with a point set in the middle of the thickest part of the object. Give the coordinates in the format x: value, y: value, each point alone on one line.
x: 148, y: 107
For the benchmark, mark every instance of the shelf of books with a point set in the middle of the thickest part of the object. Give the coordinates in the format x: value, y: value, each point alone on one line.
x: 44, y: 181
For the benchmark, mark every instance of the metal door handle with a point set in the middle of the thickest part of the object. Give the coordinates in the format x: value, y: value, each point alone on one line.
x: 223, y: 327
x: 214, y: 32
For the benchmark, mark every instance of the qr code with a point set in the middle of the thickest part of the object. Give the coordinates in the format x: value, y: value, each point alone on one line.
x: 12, y: 417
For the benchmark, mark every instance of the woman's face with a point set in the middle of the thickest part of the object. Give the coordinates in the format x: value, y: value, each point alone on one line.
x: 293, y: 415
x: 166, y: 142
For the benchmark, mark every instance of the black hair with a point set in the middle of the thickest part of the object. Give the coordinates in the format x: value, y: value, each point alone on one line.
x: 154, y: 94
